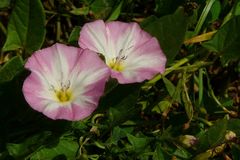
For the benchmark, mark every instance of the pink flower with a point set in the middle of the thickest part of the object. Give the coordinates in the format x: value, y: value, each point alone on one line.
x: 65, y: 82
x: 132, y: 54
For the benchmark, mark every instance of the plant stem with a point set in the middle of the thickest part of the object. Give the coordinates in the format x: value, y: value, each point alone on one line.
x: 169, y: 70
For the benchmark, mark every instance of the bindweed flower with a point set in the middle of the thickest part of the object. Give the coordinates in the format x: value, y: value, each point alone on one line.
x: 132, y: 54
x: 65, y: 82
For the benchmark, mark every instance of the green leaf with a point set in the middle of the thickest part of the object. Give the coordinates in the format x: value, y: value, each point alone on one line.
x: 203, y: 156
x: 119, y: 133
x: 121, y: 101
x: 66, y: 149
x: 169, y: 85
x: 124, y: 110
x: 235, y: 150
x: 233, y: 125
x: 74, y: 36
x: 115, y: 14
x: 138, y: 143
x: 213, y: 136
x: 162, y: 106
x: 214, y: 11
x: 158, y: 153
x: 4, y: 3
x: 102, y: 8
x: 188, y: 105
x: 13, y: 67
x: 26, y: 28
x: 226, y: 40
x: 166, y: 6
x: 182, y: 153
x: 177, y: 94
x: 117, y: 94
x: 170, y: 31
x: 28, y: 146
x: 236, y: 8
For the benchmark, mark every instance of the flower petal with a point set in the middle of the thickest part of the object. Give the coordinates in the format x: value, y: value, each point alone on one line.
x: 133, y: 54
x: 84, y: 70
x: 94, y: 37
x: 142, y: 64
x: 36, y: 92
x: 124, y: 37
x: 89, y: 83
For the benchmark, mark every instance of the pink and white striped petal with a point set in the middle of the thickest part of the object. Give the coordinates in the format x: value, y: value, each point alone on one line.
x: 132, y: 54
x: 65, y: 82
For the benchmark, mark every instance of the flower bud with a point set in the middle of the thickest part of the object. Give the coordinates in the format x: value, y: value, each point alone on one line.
x: 188, y: 140
x: 230, y: 135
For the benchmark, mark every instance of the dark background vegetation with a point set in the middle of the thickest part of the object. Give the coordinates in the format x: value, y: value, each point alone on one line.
x: 198, y: 95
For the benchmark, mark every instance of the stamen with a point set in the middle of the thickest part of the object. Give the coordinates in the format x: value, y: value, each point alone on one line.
x: 117, y: 62
x: 64, y: 94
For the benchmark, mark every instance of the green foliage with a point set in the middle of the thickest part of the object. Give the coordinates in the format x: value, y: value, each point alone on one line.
x: 191, y: 111
x: 26, y: 26
x: 169, y: 30
x: 115, y: 14
x: 64, y: 149
x: 11, y: 69
x: 225, y: 41
x: 102, y: 8
x: 5, y: 3
x: 73, y: 38
x: 214, y: 136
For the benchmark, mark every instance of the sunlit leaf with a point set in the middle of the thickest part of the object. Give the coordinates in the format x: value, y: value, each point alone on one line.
x: 162, y: 106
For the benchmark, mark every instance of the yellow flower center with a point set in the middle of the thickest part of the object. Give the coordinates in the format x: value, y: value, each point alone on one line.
x: 63, y: 95
x: 117, y: 63
x: 117, y: 66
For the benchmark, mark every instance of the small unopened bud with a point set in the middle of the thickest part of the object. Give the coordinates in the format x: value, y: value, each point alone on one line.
x: 188, y: 140
x: 230, y: 135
